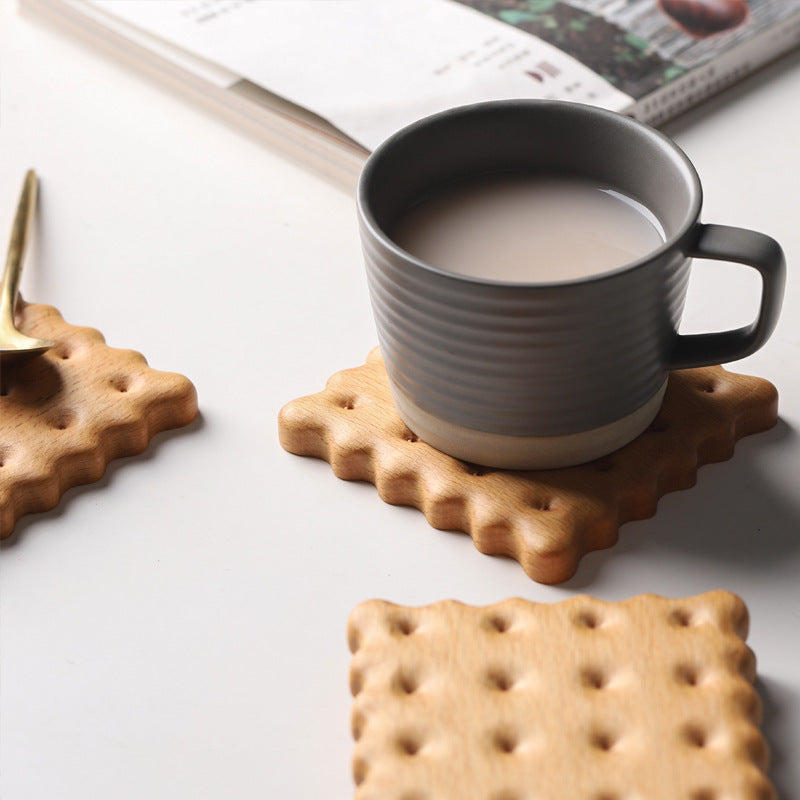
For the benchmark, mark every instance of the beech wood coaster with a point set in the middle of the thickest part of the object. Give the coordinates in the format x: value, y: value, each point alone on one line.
x: 546, y: 519
x: 67, y: 413
x: 646, y: 699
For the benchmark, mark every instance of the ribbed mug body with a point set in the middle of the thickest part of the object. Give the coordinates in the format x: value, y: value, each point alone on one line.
x: 516, y: 367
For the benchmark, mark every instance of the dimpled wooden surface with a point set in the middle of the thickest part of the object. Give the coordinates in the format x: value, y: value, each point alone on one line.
x: 65, y: 415
x: 646, y: 699
x: 546, y: 520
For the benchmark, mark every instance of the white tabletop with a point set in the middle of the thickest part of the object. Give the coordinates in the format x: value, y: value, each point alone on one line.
x: 177, y: 629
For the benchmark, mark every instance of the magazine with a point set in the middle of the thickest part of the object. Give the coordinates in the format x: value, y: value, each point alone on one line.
x: 330, y: 79
x: 666, y: 55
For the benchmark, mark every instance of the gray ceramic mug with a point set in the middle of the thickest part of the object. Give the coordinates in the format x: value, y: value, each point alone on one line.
x: 547, y: 374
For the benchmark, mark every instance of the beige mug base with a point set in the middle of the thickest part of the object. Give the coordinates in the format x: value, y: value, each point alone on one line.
x: 504, y: 451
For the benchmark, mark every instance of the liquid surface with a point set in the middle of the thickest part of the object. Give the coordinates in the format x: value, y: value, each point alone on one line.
x: 529, y: 229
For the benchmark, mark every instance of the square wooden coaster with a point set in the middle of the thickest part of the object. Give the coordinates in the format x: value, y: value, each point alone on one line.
x: 645, y: 699
x: 66, y: 414
x: 545, y: 519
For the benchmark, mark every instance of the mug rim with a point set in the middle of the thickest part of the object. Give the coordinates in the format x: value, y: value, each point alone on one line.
x: 662, y: 141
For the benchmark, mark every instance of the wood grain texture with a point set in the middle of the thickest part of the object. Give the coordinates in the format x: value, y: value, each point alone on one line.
x: 646, y: 698
x: 65, y: 415
x: 546, y: 520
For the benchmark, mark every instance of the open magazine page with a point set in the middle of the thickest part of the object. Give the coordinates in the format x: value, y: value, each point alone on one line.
x: 370, y: 68
x: 639, y: 46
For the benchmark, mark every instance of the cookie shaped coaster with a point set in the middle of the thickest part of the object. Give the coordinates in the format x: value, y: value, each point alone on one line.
x: 647, y: 698
x: 546, y: 520
x: 66, y: 414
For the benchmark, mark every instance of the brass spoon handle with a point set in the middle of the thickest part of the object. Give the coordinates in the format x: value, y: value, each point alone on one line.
x: 16, y: 249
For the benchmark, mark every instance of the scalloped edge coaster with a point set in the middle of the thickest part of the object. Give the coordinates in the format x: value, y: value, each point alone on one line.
x: 66, y: 414
x: 649, y: 698
x: 545, y: 519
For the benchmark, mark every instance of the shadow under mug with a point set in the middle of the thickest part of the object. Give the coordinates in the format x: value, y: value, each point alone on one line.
x: 546, y: 374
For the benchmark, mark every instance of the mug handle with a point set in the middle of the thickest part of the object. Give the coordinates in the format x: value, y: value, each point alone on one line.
x: 741, y: 246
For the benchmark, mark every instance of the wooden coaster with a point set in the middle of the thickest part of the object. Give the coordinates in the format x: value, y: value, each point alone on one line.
x: 65, y: 415
x: 646, y: 699
x: 546, y: 520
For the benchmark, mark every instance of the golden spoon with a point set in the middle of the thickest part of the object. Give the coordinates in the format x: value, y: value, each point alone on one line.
x: 13, y: 344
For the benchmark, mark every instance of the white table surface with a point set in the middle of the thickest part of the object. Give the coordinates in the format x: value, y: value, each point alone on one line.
x: 177, y: 629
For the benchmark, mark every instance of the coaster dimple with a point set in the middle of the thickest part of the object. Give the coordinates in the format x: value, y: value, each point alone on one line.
x: 557, y: 710
x: 66, y: 414
x: 546, y: 519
